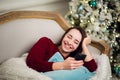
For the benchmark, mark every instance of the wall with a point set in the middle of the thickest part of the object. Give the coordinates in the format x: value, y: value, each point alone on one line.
x: 60, y: 6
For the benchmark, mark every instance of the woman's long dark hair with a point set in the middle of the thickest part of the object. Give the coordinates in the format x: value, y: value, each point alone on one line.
x: 79, y: 49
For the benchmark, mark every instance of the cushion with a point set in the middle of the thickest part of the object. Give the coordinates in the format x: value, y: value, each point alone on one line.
x: 16, y: 69
x: 103, y: 71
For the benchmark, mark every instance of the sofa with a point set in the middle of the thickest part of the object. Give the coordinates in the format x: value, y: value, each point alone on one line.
x: 20, y: 30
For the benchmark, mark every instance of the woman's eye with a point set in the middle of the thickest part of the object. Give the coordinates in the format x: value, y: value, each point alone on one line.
x: 76, y: 42
x: 70, y: 37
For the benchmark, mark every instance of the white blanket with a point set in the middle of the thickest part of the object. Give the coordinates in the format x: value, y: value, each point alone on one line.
x: 16, y: 69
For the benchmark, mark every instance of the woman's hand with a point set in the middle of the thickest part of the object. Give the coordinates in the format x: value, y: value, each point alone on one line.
x: 86, y: 41
x: 70, y: 63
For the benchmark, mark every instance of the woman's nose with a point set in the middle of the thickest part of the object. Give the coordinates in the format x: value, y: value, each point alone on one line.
x: 70, y: 42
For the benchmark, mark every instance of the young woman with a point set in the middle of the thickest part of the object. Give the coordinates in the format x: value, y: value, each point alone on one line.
x: 57, y: 60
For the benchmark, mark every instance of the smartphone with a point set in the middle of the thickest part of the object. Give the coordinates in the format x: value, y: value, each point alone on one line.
x: 80, y: 57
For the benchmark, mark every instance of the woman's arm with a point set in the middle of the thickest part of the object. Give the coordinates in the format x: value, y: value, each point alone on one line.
x: 89, y: 61
x: 40, y: 53
x: 85, y: 43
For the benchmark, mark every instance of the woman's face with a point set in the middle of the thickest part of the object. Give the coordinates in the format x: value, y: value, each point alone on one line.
x: 71, y: 41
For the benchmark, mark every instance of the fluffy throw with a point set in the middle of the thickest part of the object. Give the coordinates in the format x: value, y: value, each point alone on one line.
x: 16, y: 69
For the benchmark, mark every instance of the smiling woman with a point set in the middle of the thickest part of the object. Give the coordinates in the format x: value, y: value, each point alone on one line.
x: 44, y: 49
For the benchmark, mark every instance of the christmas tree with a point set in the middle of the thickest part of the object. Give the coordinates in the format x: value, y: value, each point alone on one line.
x: 101, y: 19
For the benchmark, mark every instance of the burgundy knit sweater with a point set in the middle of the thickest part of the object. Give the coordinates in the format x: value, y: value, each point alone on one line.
x: 42, y: 51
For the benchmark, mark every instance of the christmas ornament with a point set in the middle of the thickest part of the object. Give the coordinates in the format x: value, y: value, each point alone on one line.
x: 93, y: 3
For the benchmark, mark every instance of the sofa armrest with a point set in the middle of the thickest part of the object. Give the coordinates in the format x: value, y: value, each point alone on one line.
x: 102, y: 46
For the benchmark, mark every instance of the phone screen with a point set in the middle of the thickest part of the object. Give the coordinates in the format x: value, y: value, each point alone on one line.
x: 80, y: 57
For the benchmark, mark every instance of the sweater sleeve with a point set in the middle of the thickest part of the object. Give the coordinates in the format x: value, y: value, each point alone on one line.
x: 91, y: 65
x: 39, y: 54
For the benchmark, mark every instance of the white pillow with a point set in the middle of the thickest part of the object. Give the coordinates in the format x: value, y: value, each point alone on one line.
x: 16, y: 69
x: 103, y: 71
